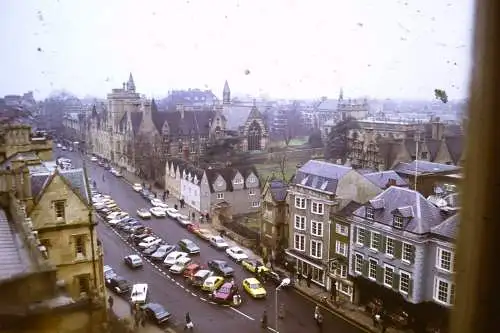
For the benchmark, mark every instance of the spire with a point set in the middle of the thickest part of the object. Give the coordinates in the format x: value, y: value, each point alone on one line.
x: 130, y: 83
x: 226, y: 94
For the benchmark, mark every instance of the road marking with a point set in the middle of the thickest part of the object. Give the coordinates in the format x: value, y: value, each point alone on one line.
x: 203, y: 299
x: 193, y: 294
x: 212, y: 302
x: 272, y: 329
x: 162, y: 272
x: 239, y: 312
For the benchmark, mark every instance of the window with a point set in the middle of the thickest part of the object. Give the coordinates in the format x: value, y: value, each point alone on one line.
x: 341, y: 229
x: 251, y: 191
x: 341, y: 271
x: 397, y: 222
x: 220, y: 195
x: 83, y: 283
x: 316, y: 249
x: 358, y: 263
x: 360, y: 236
x: 445, y: 260
x: 404, y: 282
x: 256, y: 204
x: 300, y: 203
x: 388, y: 275
x: 389, y: 246
x: 370, y: 213
x: 60, y: 207
x: 300, y: 242
x: 341, y: 248
x: 444, y: 291
x: 407, y: 253
x: 317, y: 208
x: 375, y: 241
x: 252, y: 179
x: 300, y: 222
x: 80, y: 250
x: 372, y: 269
x: 317, y: 228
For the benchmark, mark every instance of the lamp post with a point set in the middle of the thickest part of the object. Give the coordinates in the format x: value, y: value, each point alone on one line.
x: 285, y: 282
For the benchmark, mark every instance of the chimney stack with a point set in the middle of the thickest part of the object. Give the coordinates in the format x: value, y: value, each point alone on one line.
x: 391, y: 182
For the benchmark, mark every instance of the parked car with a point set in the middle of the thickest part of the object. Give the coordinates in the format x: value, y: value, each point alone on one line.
x: 236, y: 253
x: 162, y: 252
x: 225, y: 293
x: 158, y: 203
x: 137, y: 187
x: 118, y: 284
x: 143, y: 213
x: 93, y: 159
x: 133, y: 261
x: 137, y: 239
x: 188, y: 246
x: 139, y: 294
x: 172, y: 212
x: 115, y: 222
x: 179, y: 265
x: 108, y: 271
x: 183, y: 220
x: 156, y: 313
x: 220, y: 267
x: 204, y: 234
x: 254, y: 265
x: 197, y: 279
x: 218, y: 242
x: 150, y: 250
x: 158, y: 212
x: 193, y: 227
x: 172, y: 257
x: 254, y: 288
x: 149, y: 241
x: 191, y: 269
x: 212, y: 283
x: 116, y: 215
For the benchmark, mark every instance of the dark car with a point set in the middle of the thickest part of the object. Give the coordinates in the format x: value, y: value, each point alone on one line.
x: 156, y: 313
x: 224, y: 295
x: 118, y: 284
x: 276, y: 277
x: 189, y: 246
x: 162, y: 251
x: 132, y: 226
x: 221, y: 267
x: 136, y: 239
x: 150, y: 250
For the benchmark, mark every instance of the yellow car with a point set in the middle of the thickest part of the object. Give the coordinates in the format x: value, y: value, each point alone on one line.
x: 254, y: 288
x: 212, y: 283
x: 203, y: 233
x: 253, y: 265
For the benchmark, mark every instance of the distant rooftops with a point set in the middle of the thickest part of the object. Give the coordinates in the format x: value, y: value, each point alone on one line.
x: 425, y: 167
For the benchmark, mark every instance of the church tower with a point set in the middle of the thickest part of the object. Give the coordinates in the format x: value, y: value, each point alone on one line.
x: 226, y: 94
x: 130, y: 83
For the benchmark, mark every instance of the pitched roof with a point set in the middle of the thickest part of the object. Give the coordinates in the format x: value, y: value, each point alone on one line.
x: 455, y: 145
x: 194, y: 122
x: 236, y: 115
x: 433, y: 147
x: 423, y: 167
x: 228, y: 175
x: 320, y: 175
x: 448, y: 228
x: 383, y: 179
x: 422, y: 214
x: 278, y: 190
x: 388, y: 151
x: 136, y: 119
x: 75, y: 179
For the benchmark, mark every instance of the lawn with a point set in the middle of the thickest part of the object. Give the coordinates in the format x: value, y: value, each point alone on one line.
x: 267, y: 169
x: 293, y: 143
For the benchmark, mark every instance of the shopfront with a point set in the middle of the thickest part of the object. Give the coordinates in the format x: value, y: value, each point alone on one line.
x: 305, y: 265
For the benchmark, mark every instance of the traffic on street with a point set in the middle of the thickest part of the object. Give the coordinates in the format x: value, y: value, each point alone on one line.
x: 187, y: 268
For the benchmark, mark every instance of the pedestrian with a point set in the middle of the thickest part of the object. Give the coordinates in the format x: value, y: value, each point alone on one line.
x: 189, y: 322
x: 299, y: 276
x: 308, y: 279
x: 263, y: 321
x: 193, y: 216
x: 319, y: 322
x: 156, y: 195
x: 317, y: 312
x: 333, y: 292
x: 111, y: 302
x: 176, y: 207
x: 168, y: 193
x: 164, y: 195
x: 207, y: 216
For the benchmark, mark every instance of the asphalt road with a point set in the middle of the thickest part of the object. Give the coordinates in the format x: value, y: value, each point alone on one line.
x: 176, y: 298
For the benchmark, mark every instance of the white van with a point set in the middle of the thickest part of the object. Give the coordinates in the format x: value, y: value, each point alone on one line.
x: 139, y: 293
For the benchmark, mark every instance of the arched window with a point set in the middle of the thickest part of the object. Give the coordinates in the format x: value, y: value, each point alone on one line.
x: 254, y: 136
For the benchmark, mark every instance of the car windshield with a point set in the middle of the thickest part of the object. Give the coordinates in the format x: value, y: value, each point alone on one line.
x: 123, y: 284
x: 224, y: 290
x: 255, y: 285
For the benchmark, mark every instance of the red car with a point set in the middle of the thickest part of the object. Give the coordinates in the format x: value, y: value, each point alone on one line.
x: 191, y: 270
x: 193, y: 227
x: 224, y: 295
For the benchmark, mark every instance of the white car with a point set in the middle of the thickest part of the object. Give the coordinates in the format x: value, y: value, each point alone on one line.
x: 158, y: 212
x: 133, y: 261
x: 218, y: 242
x: 139, y: 293
x: 118, y: 174
x: 180, y: 265
x: 59, y: 145
x: 149, y: 241
x: 116, y: 215
x: 183, y: 220
x: 144, y: 213
x: 93, y: 159
x: 137, y: 187
x: 236, y: 253
x: 172, y: 257
x: 158, y: 203
x: 172, y: 212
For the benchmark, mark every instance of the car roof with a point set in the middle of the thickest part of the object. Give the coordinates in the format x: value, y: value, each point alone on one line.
x: 252, y: 280
x: 236, y: 248
x: 134, y: 256
x: 149, y: 239
x: 213, y: 278
x: 202, y: 272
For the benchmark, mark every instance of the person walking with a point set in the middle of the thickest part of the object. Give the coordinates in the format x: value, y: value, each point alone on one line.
x: 111, y: 302
x: 308, y: 279
x: 299, y: 276
x: 333, y: 293
x: 263, y: 321
x: 189, y: 322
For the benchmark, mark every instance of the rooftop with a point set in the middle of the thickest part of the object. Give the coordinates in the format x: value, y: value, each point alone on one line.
x: 14, y: 255
x: 424, y: 167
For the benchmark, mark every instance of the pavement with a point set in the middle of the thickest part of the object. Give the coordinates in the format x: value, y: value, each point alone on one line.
x: 178, y: 298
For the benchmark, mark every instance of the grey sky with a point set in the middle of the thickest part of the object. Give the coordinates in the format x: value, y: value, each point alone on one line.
x: 379, y: 48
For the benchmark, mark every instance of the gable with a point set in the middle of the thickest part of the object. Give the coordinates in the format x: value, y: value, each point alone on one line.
x: 57, y: 188
x: 355, y: 187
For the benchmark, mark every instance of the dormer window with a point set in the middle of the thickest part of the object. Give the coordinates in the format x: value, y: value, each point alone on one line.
x: 370, y: 213
x: 398, y: 221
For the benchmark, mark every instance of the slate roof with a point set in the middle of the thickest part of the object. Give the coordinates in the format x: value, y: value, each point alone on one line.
x: 448, y: 228
x: 381, y: 179
x: 236, y: 115
x: 455, y: 145
x: 26, y: 156
x: 191, y: 96
x: 422, y: 214
x: 194, y: 122
x: 388, y: 151
x: 320, y: 175
x: 431, y: 144
x: 278, y: 190
x: 350, y: 208
x: 423, y: 167
x: 228, y: 175
x: 136, y: 119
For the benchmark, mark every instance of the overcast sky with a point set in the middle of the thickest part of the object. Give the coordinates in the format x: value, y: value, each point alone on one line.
x: 282, y: 48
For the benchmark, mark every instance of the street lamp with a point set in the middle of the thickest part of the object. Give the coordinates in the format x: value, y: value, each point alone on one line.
x: 285, y: 282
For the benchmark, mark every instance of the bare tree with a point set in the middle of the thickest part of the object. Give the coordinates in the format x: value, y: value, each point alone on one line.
x: 282, y: 164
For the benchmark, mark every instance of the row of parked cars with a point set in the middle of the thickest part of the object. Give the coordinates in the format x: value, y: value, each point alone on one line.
x: 106, y: 166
